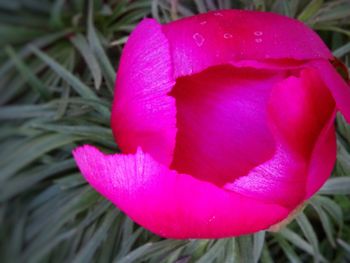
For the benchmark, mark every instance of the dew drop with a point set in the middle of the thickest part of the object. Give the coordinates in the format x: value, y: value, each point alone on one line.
x: 212, y: 219
x: 258, y: 40
x: 227, y: 35
x: 218, y: 14
x: 258, y: 33
x: 203, y: 23
x: 199, y: 39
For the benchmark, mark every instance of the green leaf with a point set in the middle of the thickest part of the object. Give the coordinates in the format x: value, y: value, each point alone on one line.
x: 332, y: 28
x: 91, y: 132
x: 87, y: 252
x: 230, y: 251
x: 331, y: 207
x: 30, y: 151
x: 25, y: 51
x: 309, y: 233
x: 11, y: 34
x: 288, y: 250
x: 245, y: 249
x: 336, y: 186
x: 96, y: 46
x: 299, y: 242
x: 151, y: 249
x: 16, y: 240
x: 155, y: 14
x: 266, y: 256
x: 343, y: 50
x: 258, y: 244
x: 26, y: 111
x: 28, y: 179
x: 45, y: 228
x: 201, y: 6
x: 340, y: 10
x: 76, y: 84
x: 310, y: 10
x: 70, y: 181
x: 36, y: 256
x: 27, y: 74
x: 344, y: 245
x: 326, y: 223
x: 82, y: 45
x: 214, y: 252
x: 56, y: 13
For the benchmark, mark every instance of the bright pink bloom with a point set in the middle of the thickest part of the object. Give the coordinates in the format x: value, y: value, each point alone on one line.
x: 225, y: 121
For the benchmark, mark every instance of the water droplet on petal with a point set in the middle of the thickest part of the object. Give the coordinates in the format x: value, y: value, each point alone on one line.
x: 258, y: 33
x: 227, y: 35
x: 203, y: 23
x: 199, y: 39
x: 212, y: 219
x: 258, y: 40
x: 218, y: 14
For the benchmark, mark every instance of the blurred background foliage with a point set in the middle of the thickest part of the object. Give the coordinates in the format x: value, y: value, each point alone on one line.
x: 57, y: 69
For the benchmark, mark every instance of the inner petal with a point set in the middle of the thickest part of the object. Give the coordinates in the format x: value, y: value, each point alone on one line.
x: 300, y: 112
x: 222, y: 122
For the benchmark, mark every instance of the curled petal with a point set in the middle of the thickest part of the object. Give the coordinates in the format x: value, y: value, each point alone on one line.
x: 170, y: 204
x: 323, y: 159
x: 280, y: 180
x: 143, y: 115
x: 299, y: 109
x: 336, y: 84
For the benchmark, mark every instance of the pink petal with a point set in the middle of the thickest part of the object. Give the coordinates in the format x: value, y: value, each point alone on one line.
x: 170, y: 204
x: 299, y: 109
x: 222, y: 122
x: 271, y: 64
x: 143, y: 115
x: 336, y: 84
x: 219, y: 37
x: 323, y: 159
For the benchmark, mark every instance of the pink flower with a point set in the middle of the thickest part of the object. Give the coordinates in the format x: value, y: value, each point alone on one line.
x: 225, y: 121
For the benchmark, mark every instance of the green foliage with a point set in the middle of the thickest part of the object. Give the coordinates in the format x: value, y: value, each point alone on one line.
x: 57, y: 69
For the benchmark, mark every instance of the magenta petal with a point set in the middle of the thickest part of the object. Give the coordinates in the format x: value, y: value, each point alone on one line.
x: 299, y: 109
x: 323, y: 159
x: 222, y: 122
x: 280, y: 180
x: 143, y: 115
x: 336, y: 84
x: 219, y: 37
x: 170, y: 204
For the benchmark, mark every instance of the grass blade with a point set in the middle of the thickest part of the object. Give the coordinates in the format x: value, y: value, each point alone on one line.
x: 82, y: 45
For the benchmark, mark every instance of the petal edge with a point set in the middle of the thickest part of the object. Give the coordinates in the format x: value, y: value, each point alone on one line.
x: 143, y: 115
x: 170, y: 204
